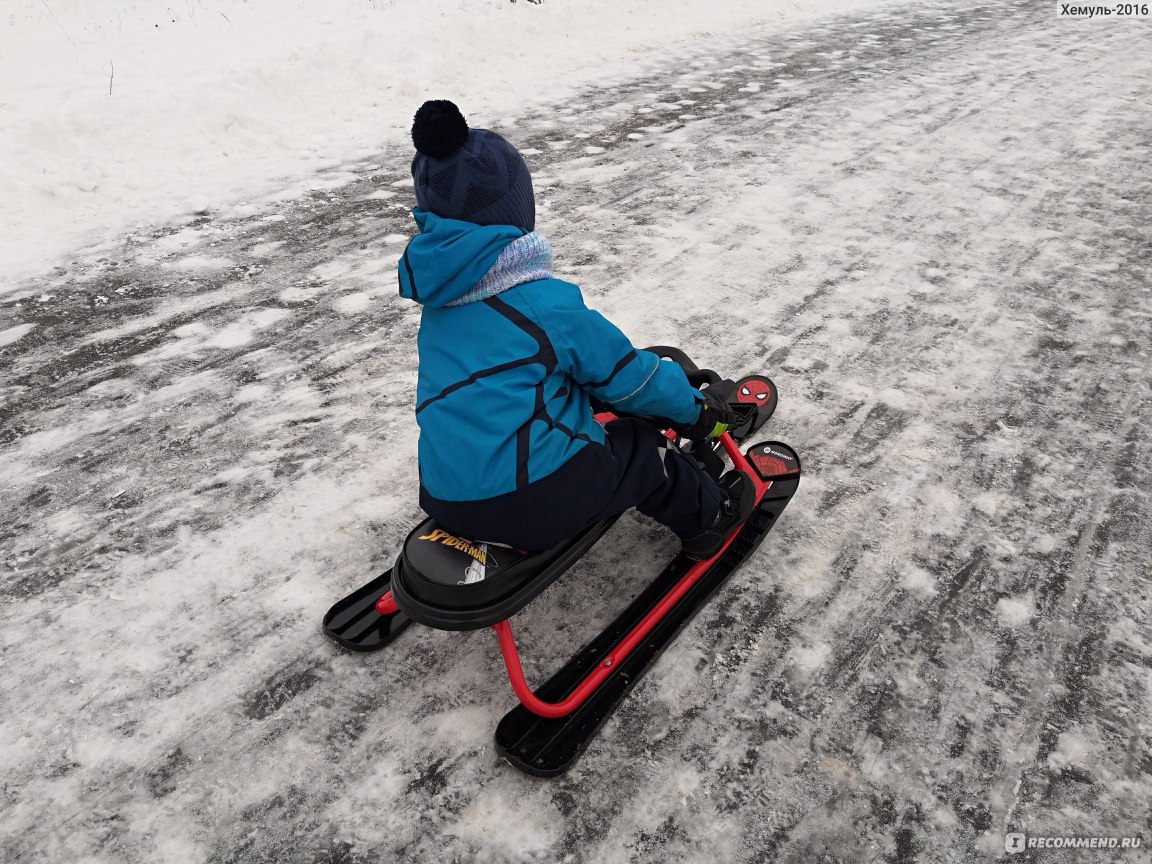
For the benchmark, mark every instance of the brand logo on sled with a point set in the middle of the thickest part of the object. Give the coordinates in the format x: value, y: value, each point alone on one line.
x: 480, y: 553
x: 770, y: 463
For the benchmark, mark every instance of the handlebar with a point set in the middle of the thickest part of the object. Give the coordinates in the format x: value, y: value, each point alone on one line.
x: 696, y: 377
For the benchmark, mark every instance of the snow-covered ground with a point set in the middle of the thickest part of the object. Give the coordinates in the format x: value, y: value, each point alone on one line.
x: 117, y: 111
x: 929, y: 224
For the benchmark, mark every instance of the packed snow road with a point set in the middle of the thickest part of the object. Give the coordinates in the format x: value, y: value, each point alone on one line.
x: 930, y: 225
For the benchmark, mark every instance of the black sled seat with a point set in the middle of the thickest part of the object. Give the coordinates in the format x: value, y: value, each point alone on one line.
x: 454, y: 583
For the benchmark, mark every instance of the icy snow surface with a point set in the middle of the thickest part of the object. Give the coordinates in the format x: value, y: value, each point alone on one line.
x: 930, y: 225
x: 118, y: 111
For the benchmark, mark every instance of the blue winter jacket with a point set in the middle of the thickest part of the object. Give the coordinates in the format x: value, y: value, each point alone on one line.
x: 503, y: 393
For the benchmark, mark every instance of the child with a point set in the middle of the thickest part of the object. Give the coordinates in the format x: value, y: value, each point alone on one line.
x: 510, y: 359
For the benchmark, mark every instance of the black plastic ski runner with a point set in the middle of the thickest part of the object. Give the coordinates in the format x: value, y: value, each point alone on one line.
x: 354, y: 623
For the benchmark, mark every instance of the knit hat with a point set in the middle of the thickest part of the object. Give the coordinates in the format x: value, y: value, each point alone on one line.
x: 469, y: 174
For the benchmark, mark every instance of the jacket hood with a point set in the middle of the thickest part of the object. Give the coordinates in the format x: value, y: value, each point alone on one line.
x: 448, y: 257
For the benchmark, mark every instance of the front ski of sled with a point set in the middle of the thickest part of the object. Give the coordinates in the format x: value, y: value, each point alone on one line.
x: 759, y: 393
x: 355, y: 624
x: 547, y: 747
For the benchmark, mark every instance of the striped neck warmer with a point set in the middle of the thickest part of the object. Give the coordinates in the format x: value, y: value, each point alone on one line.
x: 523, y: 260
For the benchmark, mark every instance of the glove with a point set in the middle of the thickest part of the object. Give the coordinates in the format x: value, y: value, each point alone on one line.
x: 716, y: 415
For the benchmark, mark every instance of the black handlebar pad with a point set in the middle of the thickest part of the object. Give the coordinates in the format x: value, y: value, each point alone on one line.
x: 696, y: 377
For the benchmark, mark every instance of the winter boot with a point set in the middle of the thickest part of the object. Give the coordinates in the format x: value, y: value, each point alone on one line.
x: 736, y: 505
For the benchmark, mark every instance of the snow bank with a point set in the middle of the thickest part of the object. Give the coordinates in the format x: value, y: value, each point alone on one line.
x: 116, y: 111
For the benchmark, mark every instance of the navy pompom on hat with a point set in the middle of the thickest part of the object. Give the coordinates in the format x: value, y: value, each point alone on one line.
x: 469, y: 174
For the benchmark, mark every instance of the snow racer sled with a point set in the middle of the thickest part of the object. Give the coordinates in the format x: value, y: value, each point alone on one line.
x: 450, y: 582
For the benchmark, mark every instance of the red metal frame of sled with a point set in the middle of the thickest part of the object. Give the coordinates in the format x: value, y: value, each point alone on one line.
x: 386, y: 605
x: 634, y: 637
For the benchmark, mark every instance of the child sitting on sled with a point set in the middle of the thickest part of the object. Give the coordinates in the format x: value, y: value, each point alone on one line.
x: 511, y: 359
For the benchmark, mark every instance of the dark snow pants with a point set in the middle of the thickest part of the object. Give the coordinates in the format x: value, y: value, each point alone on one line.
x: 635, y: 467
